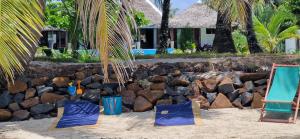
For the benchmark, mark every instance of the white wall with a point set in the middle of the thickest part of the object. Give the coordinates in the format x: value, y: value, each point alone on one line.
x: 291, y: 44
x: 206, y: 38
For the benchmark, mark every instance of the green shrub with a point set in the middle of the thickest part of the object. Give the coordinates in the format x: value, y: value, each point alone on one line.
x: 240, y: 42
x: 186, y: 38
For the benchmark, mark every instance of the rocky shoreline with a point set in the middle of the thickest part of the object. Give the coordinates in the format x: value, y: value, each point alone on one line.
x: 42, y: 89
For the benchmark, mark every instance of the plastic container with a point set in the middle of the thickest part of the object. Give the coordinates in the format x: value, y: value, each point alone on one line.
x: 112, y: 105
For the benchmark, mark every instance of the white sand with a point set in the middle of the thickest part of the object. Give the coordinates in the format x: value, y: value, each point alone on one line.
x: 224, y: 123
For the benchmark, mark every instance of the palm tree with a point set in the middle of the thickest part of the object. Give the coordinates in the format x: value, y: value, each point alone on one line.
x: 107, y: 27
x: 164, y: 30
x: 272, y: 32
x: 20, y: 26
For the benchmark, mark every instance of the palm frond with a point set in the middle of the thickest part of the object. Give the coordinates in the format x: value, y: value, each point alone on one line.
x: 290, y: 32
x: 20, y: 26
x: 107, y: 27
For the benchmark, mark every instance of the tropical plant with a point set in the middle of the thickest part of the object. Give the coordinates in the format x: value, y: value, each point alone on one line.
x: 240, y: 42
x: 20, y: 26
x: 106, y: 27
x: 164, y: 29
x: 140, y: 18
x: 280, y: 26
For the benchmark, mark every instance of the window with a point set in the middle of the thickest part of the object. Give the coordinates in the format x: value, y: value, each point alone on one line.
x: 210, y: 31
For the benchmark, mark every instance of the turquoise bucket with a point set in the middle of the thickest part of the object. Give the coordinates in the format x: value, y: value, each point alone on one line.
x: 112, y: 105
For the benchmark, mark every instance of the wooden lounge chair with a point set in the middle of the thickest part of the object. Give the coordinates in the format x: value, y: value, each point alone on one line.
x: 283, y: 85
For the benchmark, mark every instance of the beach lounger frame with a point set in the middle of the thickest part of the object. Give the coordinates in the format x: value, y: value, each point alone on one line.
x: 295, y: 105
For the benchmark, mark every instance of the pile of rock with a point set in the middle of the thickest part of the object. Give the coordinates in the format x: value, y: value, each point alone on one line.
x: 151, y: 85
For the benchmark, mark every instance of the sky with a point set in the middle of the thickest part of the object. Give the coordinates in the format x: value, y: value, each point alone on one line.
x: 182, y: 4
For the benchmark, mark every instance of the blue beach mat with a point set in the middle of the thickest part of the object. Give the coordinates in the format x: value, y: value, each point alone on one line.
x: 80, y: 113
x: 179, y: 114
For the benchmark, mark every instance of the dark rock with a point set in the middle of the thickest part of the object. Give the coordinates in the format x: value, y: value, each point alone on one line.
x: 51, y: 98
x: 107, y: 91
x: 157, y: 79
x: 154, y: 95
x: 39, y: 81
x: 61, y: 81
x: 134, y: 87
x: 253, y: 76
x: 164, y: 102
x: 141, y: 73
x: 221, y: 102
x: 159, y: 70
x: 180, y: 99
x: 141, y: 104
x: 257, y: 101
x: 41, y: 116
x: 226, y: 86
x: 19, y: 97
x: 176, y: 73
x: 18, y: 87
x: 30, y: 102
x: 144, y: 84
x: 171, y: 92
x: 60, y: 103
x: 42, y: 90
x: 62, y: 90
x: 238, y: 103
x: 14, y: 106
x: 97, y: 78
x: 180, y: 81
x: 196, y: 87
x: 5, y: 99
x: 261, y: 90
x: 87, y: 81
x: 41, y: 109
x: 80, y: 75
x: 92, y: 95
x: 95, y: 85
x: 5, y: 115
x: 125, y: 109
x: 112, y: 86
x: 128, y: 97
x: 246, y: 98
x: 261, y: 82
x: 183, y: 90
x: 233, y: 95
x: 158, y: 86
x: 30, y: 93
x: 237, y: 81
x: 21, y: 115
x: 211, y: 97
x: 210, y: 85
x: 249, y: 85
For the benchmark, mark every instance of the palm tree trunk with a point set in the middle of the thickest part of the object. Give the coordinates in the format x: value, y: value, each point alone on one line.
x: 164, y: 32
x: 223, y: 42
x: 250, y: 33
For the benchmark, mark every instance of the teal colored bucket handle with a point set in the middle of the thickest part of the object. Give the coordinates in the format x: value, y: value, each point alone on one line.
x: 112, y: 105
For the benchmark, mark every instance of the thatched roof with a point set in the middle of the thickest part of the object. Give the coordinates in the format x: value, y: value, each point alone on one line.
x: 197, y: 16
x: 50, y: 28
x: 151, y: 12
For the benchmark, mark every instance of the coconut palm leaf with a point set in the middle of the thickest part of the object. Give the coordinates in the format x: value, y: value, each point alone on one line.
x: 107, y: 27
x: 20, y: 26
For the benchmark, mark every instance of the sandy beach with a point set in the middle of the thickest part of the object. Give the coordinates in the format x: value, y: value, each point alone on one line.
x: 223, y: 123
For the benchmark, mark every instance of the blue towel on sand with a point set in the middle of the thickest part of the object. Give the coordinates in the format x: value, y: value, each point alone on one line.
x: 174, y: 115
x: 80, y: 113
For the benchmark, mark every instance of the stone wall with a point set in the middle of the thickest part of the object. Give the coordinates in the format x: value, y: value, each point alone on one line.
x: 225, y: 83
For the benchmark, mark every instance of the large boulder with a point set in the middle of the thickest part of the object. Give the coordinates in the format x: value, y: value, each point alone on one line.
x: 39, y: 81
x: 5, y: 99
x: 19, y: 97
x: 21, y: 115
x: 154, y: 95
x: 92, y: 95
x: 43, y: 89
x: 30, y: 93
x: 210, y: 85
x: 14, y: 107
x: 246, y: 98
x: 128, y: 97
x: 17, y: 87
x: 51, y: 98
x: 30, y: 102
x: 141, y: 104
x: 249, y: 85
x: 134, y: 87
x: 80, y: 75
x: 61, y: 81
x: 221, y: 102
x: 257, y: 101
x: 41, y: 109
x: 233, y: 95
x: 5, y: 115
x: 253, y: 76
x: 157, y: 79
x: 145, y: 84
x: 158, y: 86
x: 226, y: 86
x: 180, y: 81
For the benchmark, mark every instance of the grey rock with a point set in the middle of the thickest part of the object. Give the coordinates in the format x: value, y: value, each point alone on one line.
x: 5, y: 99
x: 211, y: 97
x: 249, y: 85
x: 233, y: 95
x: 92, y: 95
x: 261, y: 82
x: 87, y: 81
x: 180, y: 99
x: 19, y: 97
x: 183, y: 91
x: 21, y: 115
x: 95, y: 85
x: 42, y: 90
x: 41, y: 109
x: 246, y: 98
x: 14, y: 107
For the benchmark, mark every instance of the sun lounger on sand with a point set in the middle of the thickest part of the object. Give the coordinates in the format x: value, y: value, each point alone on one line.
x: 281, y: 93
